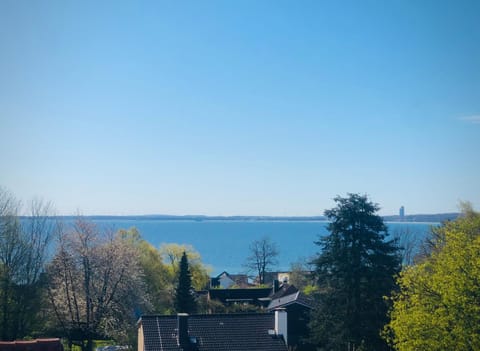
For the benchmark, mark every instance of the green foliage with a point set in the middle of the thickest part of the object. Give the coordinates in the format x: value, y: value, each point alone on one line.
x: 161, y: 269
x: 243, y: 308
x: 209, y: 306
x: 184, y: 294
x: 212, y: 306
x: 301, y: 276
x: 354, y: 272
x: 438, y: 305
x: 172, y: 253
x: 158, y: 279
x: 310, y: 290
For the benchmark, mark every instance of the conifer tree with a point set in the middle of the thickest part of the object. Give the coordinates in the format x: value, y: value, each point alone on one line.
x: 184, y: 297
x: 354, y: 271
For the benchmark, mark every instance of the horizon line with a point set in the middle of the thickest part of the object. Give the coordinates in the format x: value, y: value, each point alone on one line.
x: 236, y: 216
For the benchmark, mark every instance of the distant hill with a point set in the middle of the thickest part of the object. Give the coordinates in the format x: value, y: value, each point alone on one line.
x: 161, y: 217
x: 439, y: 217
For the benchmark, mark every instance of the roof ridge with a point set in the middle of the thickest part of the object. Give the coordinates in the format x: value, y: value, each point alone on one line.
x: 166, y: 316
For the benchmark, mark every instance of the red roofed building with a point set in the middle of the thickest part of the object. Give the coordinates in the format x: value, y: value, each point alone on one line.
x: 53, y: 344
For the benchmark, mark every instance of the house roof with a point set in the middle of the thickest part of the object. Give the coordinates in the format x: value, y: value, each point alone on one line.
x: 287, y: 300
x: 52, y: 344
x: 231, y: 295
x: 226, y: 280
x: 285, y: 289
x: 221, y: 332
x: 231, y: 276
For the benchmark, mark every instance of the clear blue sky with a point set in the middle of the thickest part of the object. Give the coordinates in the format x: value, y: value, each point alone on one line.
x: 240, y: 107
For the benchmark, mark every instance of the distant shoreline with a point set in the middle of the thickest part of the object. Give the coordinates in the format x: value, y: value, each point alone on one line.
x: 416, y: 218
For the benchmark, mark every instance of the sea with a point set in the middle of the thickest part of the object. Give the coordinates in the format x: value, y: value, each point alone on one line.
x: 224, y: 245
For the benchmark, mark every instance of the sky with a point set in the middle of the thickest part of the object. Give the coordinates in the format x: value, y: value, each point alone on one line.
x: 240, y: 107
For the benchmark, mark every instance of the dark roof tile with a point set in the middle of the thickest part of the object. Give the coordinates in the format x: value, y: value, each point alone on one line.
x: 235, y: 332
x: 287, y: 300
x: 225, y: 295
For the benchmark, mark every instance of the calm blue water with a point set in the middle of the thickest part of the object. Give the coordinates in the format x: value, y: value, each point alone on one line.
x: 224, y: 245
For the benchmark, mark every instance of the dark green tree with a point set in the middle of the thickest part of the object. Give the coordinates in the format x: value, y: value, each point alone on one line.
x: 184, y: 295
x: 355, y: 270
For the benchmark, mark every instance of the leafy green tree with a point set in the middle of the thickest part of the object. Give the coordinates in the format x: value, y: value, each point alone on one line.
x: 161, y: 269
x: 157, y: 277
x: 301, y: 275
x: 438, y: 305
x: 354, y: 271
x: 184, y: 296
x: 171, y: 255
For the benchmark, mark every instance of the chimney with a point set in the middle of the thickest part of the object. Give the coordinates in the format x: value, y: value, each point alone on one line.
x: 182, y: 330
x: 276, y: 285
x: 281, y: 323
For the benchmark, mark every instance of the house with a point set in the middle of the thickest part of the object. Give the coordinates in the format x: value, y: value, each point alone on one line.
x: 255, y: 296
x: 271, y: 277
x: 225, y: 280
x: 279, y: 290
x: 298, y: 306
x: 214, y: 332
x: 52, y: 344
x: 289, y: 297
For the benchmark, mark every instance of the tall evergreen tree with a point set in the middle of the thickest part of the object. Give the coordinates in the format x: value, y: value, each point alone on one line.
x: 354, y: 271
x: 184, y: 297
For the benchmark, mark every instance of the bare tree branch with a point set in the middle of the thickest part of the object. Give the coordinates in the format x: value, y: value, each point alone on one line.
x: 100, y: 286
x: 263, y: 257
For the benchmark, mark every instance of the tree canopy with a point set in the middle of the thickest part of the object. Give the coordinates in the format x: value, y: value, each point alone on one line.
x: 354, y: 271
x: 95, y: 285
x: 438, y: 305
x: 172, y: 254
x: 157, y: 277
x: 90, y: 283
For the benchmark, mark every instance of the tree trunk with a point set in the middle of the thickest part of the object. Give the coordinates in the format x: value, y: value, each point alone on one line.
x: 89, y: 344
x: 6, y: 292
